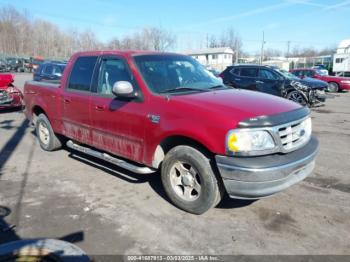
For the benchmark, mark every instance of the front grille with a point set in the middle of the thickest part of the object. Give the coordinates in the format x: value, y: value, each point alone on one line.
x: 293, y: 135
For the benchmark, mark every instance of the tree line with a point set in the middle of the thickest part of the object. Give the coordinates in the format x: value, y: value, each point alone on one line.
x: 22, y: 36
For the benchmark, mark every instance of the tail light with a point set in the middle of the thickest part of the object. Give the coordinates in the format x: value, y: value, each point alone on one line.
x: 221, y: 75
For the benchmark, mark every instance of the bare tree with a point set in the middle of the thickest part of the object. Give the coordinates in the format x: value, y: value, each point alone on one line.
x: 22, y: 36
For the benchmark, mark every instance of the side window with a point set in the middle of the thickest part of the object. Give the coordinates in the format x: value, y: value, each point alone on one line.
x: 267, y: 74
x: 56, y: 70
x: 249, y: 72
x: 112, y: 70
x: 309, y: 73
x: 81, y: 75
x: 235, y: 71
x: 48, y: 70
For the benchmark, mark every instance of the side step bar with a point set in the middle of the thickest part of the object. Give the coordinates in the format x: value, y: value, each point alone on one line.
x: 110, y: 159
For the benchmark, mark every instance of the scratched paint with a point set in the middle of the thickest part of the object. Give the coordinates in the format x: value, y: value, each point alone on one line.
x: 121, y: 145
x: 77, y: 132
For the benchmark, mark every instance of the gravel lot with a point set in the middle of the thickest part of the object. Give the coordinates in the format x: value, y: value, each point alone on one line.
x: 105, y: 210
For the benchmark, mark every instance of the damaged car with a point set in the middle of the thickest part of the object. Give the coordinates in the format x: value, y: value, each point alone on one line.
x: 308, y: 92
x: 10, y: 96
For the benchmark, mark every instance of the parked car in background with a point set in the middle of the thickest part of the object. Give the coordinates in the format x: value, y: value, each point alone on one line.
x: 3, y: 66
x: 10, y: 96
x: 321, y: 68
x: 335, y: 83
x: 36, y: 62
x: 215, y: 72
x: 16, y: 64
x: 149, y: 111
x: 49, y: 71
x: 276, y: 82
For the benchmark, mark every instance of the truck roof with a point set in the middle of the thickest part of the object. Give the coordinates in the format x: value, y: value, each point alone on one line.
x: 123, y: 52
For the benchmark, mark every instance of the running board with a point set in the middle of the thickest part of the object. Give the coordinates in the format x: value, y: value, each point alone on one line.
x: 110, y: 159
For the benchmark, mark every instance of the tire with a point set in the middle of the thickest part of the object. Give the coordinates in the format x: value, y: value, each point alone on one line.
x: 47, y: 138
x: 333, y: 87
x: 295, y: 96
x: 189, y: 180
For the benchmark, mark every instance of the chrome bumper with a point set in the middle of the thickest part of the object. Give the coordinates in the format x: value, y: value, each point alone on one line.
x: 257, y: 177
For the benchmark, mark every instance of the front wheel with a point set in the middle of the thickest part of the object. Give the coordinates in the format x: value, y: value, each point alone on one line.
x: 333, y: 87
x: 297, y: 97
x: 189, y: 180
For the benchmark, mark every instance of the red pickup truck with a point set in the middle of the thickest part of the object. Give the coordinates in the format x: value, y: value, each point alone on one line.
x: 335, y: 83
x: 149, y: 111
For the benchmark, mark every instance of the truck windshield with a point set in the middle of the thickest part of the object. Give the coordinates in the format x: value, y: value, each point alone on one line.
x: 169, y: 73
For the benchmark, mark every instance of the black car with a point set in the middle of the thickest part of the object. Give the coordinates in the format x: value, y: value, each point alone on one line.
x: 275, y: 82
x: 49, y: 71
x: 16, y: 64
x: 3, y: 66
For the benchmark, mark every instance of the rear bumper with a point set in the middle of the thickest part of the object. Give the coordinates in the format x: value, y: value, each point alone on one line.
x: 257, y: 177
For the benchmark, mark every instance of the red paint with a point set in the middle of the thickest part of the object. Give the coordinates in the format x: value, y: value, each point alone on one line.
x: 328, y: 79
x: 124, y: 128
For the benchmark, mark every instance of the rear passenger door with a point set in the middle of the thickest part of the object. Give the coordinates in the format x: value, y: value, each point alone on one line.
x: 248, y: 78
x: 76, y: 118
x: 269, y: 82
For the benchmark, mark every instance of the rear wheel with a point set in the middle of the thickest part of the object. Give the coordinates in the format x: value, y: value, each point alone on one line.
x: 333, y: 87
x: 47, y: 138
x: 189, y: 180
x: 296, y: 97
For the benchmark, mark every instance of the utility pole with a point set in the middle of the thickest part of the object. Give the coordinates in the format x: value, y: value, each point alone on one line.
x: 262, y: 48
x: 288, y: 49
x: 237, y: 52
x: 207, y: 40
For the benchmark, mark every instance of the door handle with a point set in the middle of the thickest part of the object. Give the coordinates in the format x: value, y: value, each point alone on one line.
x: 66, y: 101
x: 237, y: 79
x: 259, y: 82
x: 100, y: 108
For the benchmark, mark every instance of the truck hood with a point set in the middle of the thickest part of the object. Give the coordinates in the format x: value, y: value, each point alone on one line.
x: 235, y: 105
x: 5, y: 80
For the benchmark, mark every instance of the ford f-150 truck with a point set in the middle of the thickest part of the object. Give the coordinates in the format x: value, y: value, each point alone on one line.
x: 149, y: 111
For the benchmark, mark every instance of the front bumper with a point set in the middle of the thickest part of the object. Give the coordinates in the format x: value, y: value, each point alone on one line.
x: 317, y: 96
x: 262, y: 176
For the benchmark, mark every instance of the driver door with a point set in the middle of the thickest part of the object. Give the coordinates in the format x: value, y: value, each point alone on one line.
x: 117, y: 124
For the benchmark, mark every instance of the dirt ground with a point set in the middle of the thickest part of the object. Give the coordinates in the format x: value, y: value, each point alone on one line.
x: 106, y: 210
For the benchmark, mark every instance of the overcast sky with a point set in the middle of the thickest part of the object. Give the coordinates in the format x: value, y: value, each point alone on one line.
x: 306, y: 23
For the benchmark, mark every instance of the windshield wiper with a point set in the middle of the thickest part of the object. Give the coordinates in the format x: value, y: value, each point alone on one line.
x: 180, y: 89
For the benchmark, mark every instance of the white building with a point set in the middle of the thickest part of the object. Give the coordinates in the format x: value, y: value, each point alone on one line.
x: 341, y: 60
x: 218, y: 58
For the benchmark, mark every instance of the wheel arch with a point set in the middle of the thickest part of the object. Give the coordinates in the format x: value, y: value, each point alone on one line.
x: 177, y: 140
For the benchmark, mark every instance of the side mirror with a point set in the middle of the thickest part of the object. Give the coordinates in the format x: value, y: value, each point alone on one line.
x: 123, y: 89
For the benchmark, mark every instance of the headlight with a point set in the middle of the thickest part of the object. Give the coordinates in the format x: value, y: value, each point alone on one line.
x: 345, y: 81
x: 248, y: 141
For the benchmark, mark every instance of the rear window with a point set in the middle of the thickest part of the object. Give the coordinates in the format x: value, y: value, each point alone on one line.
x: 81, y: 75
x: 249, y: 72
